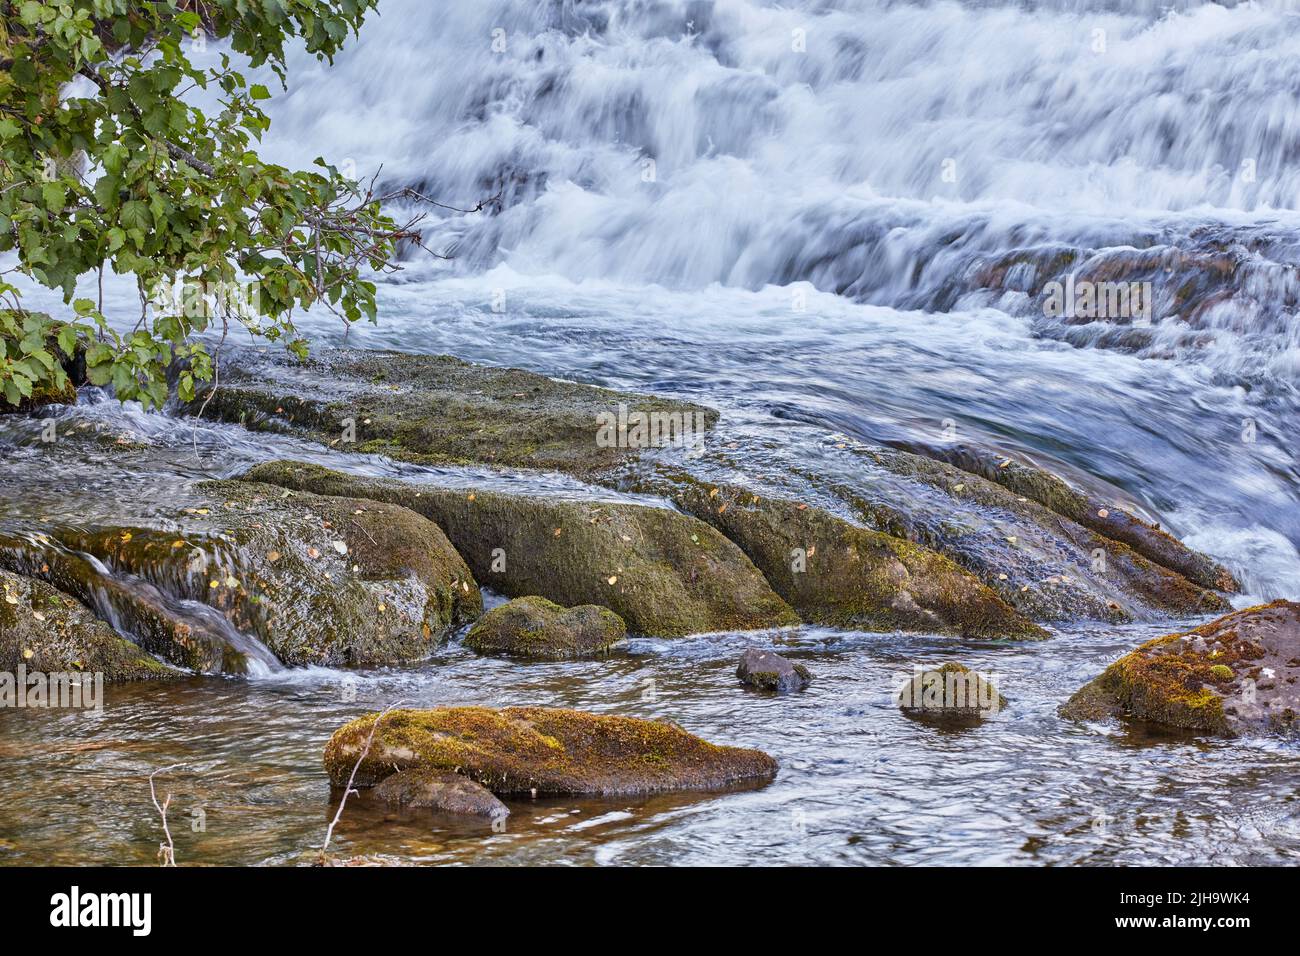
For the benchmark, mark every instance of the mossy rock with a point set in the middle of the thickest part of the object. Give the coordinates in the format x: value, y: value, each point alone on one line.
x: 836, y: 573
x: 664, y: 573
x: 951, y: 694
x: 439, y: 791
x: 249, y: 572
x: 432, y: 409
x: 1044, y: 564
x: 1237, y: 675
x: 537, y: 628
x: 1118, y: 524
x: 47, y: 630
x: 546, y: 750
x: 765, y: 670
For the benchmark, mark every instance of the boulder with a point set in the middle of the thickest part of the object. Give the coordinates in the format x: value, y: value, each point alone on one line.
x: 549, y: 751
x: 1237, y: 675
x: 244, y: 574
x: 441, y: 791
x: 538, y: 628
x: 1106, y: 518
x: 50, y: 631
x: 666, y: 574
x: 768, y: 671
x: 1044, y: 564
x: 839, y: 574
x: 950, y: 694
x: 435, y: 409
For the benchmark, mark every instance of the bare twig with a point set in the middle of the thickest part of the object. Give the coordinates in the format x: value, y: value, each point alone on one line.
x: 349, y: 790
x: 167, y: 850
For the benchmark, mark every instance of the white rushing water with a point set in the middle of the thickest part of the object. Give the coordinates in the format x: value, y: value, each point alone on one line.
x: 876, y: 149
x: 848, y: 212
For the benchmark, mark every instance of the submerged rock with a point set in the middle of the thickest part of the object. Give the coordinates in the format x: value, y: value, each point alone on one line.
x: 1237, y: 675
x: 536, y: 627
x: 768, y: 671
x: 950, y: 694
x: 666, y: 574
x: 836, y: 573
x: 435, y: 409
x: 550, y: 751
x: 442, y: 791
x: 50, y: 631
x: 316, y: 580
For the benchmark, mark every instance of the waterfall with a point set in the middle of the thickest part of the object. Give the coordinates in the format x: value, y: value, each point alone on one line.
x: 940, y: 156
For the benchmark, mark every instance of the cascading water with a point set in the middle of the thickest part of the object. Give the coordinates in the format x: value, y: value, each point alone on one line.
x: 896, y: 153
x: 950, y: 158
x: 826, y: 218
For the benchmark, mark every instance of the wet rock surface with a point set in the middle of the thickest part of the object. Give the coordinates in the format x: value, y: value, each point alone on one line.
x: 44, y: 629
x: 534, y: 627
x: 766, y: 670
x: 547, y: 750
x: 1088, y: 510
x: 251, y: 574
x: 439, y: 791
x: 664, y: 573
x: 435, y: 409
x: 951, y: 694
x: 1042, y: 563
x: 836, y: 573
x: 1238, y: 675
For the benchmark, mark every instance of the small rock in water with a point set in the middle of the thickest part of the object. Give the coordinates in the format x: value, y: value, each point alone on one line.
x: 951, y: 694
x: 439, y: 790
x: 538, y: 628
x: 768, y: 671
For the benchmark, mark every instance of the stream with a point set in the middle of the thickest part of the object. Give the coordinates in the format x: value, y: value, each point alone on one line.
x: 797, y: 261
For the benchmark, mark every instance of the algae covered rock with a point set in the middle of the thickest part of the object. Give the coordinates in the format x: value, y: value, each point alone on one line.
x: 245, y: 574
x: 536, y: 627
x: 435, y: 409
x: 768, y: 671
x: 664, y: 573
x: 1119, y: 524
x: 550, y: 751
x: 47, y: 630
x: 836, y: 573
x: 949, y: 694
x: 440, y: 791
x: 1046, y: 565
x: 1236, y: 675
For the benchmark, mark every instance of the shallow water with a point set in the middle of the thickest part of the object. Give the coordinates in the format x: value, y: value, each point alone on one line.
x: 795, y: 262
x: 858, y: 782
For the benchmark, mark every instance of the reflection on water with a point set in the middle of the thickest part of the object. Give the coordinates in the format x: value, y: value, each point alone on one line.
x: 858, y: 783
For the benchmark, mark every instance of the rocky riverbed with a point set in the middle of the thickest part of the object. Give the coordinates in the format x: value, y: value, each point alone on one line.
x: 396, y: 490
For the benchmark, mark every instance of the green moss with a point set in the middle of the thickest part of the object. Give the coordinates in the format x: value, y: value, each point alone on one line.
x: 1180, y: 680
x: 537, y: 628
x: 664, y: 573
x: 835, y: 573
x: 550, y: 751
x: 435, y: 409
x: 47, y: 630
